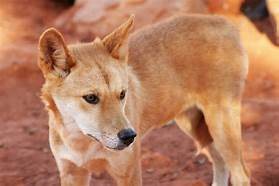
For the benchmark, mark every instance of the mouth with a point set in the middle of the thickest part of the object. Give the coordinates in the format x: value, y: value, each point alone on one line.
x: 93, y: 137
x: 119, y: 147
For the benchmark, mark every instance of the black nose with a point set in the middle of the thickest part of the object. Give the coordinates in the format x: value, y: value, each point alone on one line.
x: 127, y: 136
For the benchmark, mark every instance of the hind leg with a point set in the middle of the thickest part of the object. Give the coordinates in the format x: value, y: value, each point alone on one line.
x: 220, y: 170
x: 192, y: 122
x: 225, y: 128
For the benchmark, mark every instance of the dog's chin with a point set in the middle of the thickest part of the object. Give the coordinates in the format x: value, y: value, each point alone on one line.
x: 118, y: 147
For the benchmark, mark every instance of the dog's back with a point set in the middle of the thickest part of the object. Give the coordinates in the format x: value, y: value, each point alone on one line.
x: 199, y: 57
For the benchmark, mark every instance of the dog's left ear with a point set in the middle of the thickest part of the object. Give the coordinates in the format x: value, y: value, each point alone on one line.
x: 116, y: 42
x: 54, y: 56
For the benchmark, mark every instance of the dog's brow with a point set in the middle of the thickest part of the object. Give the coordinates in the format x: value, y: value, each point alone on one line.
x: 104, y: 74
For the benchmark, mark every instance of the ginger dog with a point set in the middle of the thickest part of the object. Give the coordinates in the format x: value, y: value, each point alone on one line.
x: 101, y: 95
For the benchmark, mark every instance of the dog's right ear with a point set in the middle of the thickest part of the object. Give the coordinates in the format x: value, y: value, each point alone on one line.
x: 54, y: 56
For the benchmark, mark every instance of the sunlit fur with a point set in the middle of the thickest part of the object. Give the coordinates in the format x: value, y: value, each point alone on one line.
x: 190, y: 69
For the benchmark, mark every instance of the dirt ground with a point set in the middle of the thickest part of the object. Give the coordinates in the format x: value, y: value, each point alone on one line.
x: 168, y: 156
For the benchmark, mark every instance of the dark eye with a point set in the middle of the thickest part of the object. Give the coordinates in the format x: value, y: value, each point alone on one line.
x: 91, y: 98
x: 122, y: 94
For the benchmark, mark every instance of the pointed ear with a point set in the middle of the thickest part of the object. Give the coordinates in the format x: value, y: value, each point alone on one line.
x: 115, y: 42
x: 54, y: 56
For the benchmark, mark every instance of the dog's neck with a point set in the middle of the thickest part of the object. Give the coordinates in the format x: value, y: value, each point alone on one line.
x: 133, y: 107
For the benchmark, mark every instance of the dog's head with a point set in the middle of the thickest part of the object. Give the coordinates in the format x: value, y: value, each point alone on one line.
x: 88, y: 84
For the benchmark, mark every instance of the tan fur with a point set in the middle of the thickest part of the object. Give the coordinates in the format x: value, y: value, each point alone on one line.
x: 190, y: 69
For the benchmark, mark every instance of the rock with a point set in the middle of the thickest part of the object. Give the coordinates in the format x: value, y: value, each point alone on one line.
x: 99, y: 17
x: 134, y: 1
x: 273, y: 7
x: 263, y: 77
x: 255, y: 10
x: 91, y: 12
x: 225, y: 6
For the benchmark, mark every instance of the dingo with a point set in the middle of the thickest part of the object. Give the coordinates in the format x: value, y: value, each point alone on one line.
x: 101, y: 95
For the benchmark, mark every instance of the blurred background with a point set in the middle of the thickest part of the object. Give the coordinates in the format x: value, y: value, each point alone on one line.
x: 169, y: 158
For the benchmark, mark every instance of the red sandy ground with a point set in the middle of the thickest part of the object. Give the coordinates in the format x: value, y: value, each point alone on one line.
x: 168, y: 156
